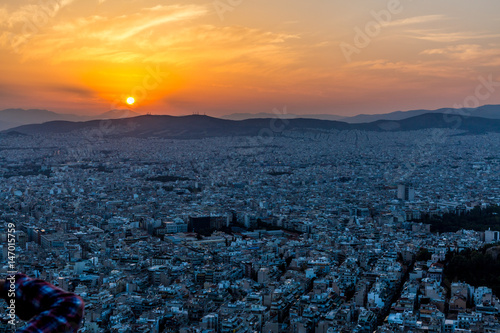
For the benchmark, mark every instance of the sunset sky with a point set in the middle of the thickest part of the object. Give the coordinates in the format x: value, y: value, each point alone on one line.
x: 228, y: 56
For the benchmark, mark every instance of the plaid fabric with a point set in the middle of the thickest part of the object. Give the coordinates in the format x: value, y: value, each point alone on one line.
x: 46, y: 307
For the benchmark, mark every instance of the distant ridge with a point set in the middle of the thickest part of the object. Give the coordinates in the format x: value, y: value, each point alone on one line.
x: 486, y: 111
x: 11, y: 118
x: 197, y: 126
x: 245, y: 116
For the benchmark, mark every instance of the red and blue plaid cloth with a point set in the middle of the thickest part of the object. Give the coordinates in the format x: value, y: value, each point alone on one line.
x: 45, y: 307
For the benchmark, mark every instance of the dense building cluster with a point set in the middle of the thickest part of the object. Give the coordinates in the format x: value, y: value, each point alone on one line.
x: 300, y: 232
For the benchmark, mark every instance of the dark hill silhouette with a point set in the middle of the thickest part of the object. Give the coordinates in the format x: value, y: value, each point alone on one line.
x: 11, y: 118
x: 485, y: 111
x: 438, y: 120
x: 198, y: 126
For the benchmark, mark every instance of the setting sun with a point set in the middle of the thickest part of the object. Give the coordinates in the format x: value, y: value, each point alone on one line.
x: 130, y: 100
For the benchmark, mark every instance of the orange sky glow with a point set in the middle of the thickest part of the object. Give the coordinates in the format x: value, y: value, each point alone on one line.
x: 221, y: 57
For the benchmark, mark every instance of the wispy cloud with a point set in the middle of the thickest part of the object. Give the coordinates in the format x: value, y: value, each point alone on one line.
x: 103, y: 38
x: 417, y: 20
x: 130, y: 26
x: 439, y: 36
x: 31, y: 14
x: 467, y: 54
x: 429, y: 69
x: 144, y: 37
x: 72, y: 90
x: 127, y: 26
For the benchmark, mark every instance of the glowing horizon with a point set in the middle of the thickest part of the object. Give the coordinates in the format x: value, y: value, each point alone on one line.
x: 221, y: 57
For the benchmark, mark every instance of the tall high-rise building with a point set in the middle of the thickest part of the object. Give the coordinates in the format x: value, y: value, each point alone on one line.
x: 210, y: 321
x: 406, y: 192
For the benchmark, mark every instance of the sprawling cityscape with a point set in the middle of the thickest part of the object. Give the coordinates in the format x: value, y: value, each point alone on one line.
x: 296, y: 232
x: 237, y: 166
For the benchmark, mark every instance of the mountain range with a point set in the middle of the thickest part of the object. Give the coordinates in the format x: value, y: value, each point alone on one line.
x: 245, y: 116
x: 197, y: 126
x: 486, y: 111
x: 11, y: 118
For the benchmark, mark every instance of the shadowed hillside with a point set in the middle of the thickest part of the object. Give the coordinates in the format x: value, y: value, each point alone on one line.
x: 197, y: 126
